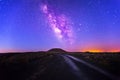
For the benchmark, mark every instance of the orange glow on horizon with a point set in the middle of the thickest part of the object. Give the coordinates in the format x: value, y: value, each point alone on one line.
x: 99, y: 50
x: 95, y: 50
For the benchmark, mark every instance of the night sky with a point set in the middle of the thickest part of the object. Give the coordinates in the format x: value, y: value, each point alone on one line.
x: 73, y: 25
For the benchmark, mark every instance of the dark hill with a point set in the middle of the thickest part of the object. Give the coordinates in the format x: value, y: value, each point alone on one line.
x: 56, y: 50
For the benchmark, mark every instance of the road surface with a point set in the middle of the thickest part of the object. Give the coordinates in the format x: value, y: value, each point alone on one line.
x: 86, y: 71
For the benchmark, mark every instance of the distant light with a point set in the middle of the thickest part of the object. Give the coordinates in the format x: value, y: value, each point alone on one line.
x: 93, y: 50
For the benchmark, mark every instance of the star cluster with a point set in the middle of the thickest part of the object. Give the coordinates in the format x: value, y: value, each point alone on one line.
x: 59, y: 23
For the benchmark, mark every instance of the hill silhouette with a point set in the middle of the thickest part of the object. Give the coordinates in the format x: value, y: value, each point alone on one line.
x: 56, y: 50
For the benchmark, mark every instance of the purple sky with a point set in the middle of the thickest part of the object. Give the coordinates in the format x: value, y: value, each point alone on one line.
x: 76, y: 25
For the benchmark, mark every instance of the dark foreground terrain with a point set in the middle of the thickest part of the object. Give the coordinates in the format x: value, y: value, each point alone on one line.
x: 59, y: 66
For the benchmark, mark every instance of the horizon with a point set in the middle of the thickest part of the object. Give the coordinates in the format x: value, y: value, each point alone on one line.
x: 84, y: 51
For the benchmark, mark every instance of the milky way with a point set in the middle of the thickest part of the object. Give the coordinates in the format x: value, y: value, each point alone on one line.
x: 59, y: 23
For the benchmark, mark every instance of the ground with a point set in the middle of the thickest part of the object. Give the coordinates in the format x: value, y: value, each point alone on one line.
x: 58, y: 66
